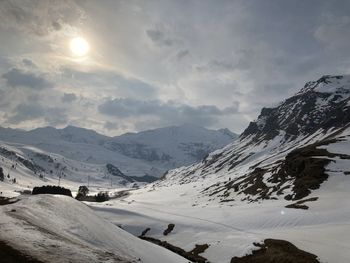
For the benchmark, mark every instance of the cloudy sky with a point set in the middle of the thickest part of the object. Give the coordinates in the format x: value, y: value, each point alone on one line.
x: 159, y: 63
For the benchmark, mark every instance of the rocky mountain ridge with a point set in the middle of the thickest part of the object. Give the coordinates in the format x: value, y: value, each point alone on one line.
x: 283, y: 154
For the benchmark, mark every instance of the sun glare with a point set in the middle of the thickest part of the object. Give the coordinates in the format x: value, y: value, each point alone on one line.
x: 79, y: 46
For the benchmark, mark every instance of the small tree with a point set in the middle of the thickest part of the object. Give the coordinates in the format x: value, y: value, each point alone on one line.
x: 51, y: 189
x: 83, y: 191
x: 102, y: 196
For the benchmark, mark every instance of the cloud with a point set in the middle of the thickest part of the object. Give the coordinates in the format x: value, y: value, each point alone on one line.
x: 17, y: 78
x: 39, y: 17
x: 56, y: 25
x: 221, y: 65
x: 182, y: 53
x: 55, y: 116
x: 28, y: 63
x: 24, y: 112
x: 166, y: 113
x: 34, y: 111
x: 159, y: 38
x: 168, y: 57
x: 110, y: 125
x: 69, y: 97
x: 122, y: 85
x: 335, y: 32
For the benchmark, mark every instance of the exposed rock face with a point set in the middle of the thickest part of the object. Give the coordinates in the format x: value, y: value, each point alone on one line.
x: 29, y: 164
x: 302, y: 171
x: 113, y: 170
x: 321, y: 104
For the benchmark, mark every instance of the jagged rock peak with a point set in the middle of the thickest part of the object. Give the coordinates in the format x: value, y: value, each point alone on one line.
x: 328, y: 84
x: 321, y: 104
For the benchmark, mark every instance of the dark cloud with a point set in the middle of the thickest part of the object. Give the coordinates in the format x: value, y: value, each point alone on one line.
x: 160, y: 38
x: 24, y: 112
x: 17, y: 78
x: 56, y: 25
x: 166, y: 113
x: 69, y: 97
x: 182, y: 53
x: 28, y: 63
x: 34, y: 111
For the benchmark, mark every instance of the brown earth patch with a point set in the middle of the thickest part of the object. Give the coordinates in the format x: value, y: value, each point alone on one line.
x: 199, y: 249
x: 169, y: 229
x: 277, y: 251
x: 144, y: 232
x: 302, y: 171
x: 191, y: 255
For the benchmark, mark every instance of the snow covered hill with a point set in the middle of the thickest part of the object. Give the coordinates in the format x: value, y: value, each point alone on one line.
x: 143, y: 154
x: 60, y: 229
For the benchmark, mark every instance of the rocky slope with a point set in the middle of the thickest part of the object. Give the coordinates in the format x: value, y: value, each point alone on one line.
x: 285, y: 153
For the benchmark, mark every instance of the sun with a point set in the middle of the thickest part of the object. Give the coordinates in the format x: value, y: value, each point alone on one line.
x: 79, y: 46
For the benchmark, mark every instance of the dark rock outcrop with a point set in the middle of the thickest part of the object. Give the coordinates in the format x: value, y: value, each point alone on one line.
x: 273, y: 251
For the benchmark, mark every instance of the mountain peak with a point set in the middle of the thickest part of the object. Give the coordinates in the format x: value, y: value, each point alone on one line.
x: 227, y: 132
x: 321, y: 104
x: 327, y: 84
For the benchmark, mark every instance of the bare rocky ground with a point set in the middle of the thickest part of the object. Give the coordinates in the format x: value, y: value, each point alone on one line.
x: 8, y: 254
x: 274, y: 250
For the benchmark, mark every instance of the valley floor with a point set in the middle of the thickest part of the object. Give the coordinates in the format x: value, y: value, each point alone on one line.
x: 55, y: 228
x: 230, y: 230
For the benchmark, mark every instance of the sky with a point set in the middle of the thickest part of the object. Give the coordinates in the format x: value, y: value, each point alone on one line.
x: 159, y: 63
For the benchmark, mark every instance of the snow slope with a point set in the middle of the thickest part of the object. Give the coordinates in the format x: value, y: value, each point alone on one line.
x: 59, y: 228
x: 50, y: 169
x: 230, y: 230
x: 238, y: 195
x: 231, y: 227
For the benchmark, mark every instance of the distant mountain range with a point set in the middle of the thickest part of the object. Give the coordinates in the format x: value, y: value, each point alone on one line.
x: 147, y: 154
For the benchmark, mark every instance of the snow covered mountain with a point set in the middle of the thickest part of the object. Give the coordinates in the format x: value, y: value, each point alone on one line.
x: 76, y: 152
x: 288, y: 152
x: 286, y: 177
